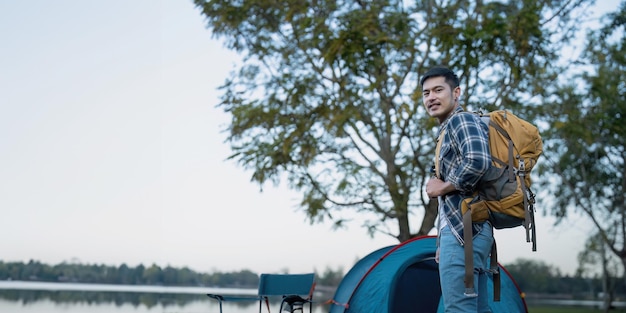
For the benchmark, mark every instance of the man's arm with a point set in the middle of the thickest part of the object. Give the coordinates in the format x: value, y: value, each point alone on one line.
x: 472, y: 137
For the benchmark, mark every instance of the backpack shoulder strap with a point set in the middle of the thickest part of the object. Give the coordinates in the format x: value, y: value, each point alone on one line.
x: 438, y: 152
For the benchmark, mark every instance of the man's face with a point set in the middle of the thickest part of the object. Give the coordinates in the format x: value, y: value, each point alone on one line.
x: 439, y: 98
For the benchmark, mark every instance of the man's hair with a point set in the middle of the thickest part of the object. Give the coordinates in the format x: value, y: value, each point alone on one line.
x: 440, y: 71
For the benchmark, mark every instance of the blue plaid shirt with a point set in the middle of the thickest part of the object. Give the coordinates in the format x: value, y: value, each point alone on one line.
x: 463, y: 160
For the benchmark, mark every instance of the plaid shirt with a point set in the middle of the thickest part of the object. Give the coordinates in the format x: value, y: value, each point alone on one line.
x: 463, y: 160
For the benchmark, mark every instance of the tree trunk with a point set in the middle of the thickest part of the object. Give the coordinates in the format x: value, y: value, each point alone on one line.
x: 403, y: 227
x: 430, y: 216
x: 607, y: 289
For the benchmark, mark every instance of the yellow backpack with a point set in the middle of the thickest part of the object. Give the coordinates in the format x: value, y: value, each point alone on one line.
x: 503, y: 196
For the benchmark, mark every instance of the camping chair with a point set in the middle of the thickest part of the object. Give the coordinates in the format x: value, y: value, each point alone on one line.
x: 296, y: 290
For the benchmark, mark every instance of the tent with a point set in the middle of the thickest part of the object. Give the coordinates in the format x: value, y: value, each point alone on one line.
x: 404, y: 278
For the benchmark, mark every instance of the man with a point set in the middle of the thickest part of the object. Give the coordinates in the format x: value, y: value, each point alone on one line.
x: 463, y: 159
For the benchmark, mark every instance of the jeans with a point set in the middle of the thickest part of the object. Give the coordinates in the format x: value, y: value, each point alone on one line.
x: 452, y: 271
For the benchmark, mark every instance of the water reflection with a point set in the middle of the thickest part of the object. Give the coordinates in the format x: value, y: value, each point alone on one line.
x: 151, y: 301
x: 146, y: 299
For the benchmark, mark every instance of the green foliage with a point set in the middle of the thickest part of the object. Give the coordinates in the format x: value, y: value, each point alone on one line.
x: 585, y: 141
x: 141, y: 275
x: 536, y: 277
x: 330, y: 277
x: 327, y: 95
x: 569, y: 309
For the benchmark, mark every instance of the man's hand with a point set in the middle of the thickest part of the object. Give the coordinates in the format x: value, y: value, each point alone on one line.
x: 436, y: 187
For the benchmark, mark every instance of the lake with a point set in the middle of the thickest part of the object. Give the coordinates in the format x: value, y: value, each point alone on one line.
x: 41, y: 297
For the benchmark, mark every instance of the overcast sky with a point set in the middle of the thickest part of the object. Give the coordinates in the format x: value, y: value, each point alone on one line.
x: 111, y: 152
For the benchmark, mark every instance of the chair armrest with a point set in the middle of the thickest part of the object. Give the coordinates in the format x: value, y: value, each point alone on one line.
x: 233, y: 298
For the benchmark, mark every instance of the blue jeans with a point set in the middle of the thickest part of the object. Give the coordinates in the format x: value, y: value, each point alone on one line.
x: 452, y: 271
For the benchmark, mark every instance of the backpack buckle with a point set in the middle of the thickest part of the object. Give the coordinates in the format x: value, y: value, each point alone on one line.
x: 521, y: 168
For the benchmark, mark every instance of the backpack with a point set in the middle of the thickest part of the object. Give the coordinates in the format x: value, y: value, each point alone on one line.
x: 503, y: 195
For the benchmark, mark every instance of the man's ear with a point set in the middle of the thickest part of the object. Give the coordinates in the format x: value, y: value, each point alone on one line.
x: 457, y: 93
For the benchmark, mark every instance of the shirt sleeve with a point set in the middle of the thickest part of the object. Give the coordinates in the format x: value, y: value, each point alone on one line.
x: 471, y: 136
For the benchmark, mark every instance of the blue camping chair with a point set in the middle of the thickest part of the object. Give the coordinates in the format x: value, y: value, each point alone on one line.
x: 296, y: 290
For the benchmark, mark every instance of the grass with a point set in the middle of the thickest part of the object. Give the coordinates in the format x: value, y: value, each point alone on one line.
x: 554, y: 309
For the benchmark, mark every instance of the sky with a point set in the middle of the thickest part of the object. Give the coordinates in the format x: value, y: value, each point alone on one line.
x: 112, y: 151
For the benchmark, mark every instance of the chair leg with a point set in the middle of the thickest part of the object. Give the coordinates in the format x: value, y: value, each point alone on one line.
x: 219, y: 300
x: 267, y: 304
x: 220, y: 306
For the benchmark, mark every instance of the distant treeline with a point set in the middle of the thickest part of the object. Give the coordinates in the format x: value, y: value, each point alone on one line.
x: 139, y: 275
x: 532, y: 276
x: 536, y: 277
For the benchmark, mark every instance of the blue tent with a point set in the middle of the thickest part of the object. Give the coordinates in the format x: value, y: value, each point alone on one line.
x: 405, y: 278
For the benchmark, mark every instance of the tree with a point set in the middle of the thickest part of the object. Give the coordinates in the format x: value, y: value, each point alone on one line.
x: 330, y: 277
x: 593, y: 253
x: 327, y: 95
x: 153, y: 275
x: 585, y: 142
x: 535, y: 276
